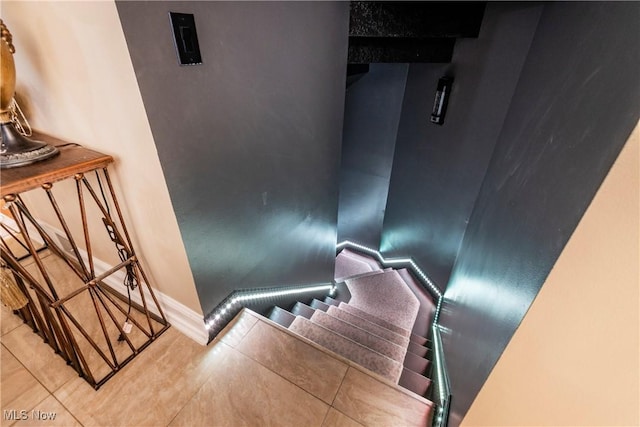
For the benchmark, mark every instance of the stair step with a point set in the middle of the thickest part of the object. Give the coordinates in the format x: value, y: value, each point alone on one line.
x: 367, y: 339
x: 414, y: 382
x: 367, y: 358
x: 420, y: 340
x: 388, y: 297
x: 367, y: 50
x: 347, y: 266
x: 361, y: 275
x: 281, y: 316
x: 416, y: 364
x: 331, y: 301
x: 415, y: 19
x: 301, y: 309
x: 319, y: 305
x: 374, y: 319
x: 368, y: 326
x: 418, y: 350
x: 375, y: 265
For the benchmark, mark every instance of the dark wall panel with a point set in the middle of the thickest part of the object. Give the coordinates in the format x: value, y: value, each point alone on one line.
x: 576, y: 103
x: 371, y: 117
x: 249, y: 141
x: 438, y: 170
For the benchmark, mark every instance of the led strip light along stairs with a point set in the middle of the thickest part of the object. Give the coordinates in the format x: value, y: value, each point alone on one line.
x: 370, y: 322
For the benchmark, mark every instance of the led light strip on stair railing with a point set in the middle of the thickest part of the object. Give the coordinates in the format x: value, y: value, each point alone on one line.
x: 443, y: 389
x: 397, y: 261
x: 222, y: 314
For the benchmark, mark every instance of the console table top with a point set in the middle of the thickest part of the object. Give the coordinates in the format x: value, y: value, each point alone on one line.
x: 73, y: 159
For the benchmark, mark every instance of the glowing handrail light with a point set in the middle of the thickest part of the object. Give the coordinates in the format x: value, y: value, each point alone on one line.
x: 238, y: 297
x: 442, y: 383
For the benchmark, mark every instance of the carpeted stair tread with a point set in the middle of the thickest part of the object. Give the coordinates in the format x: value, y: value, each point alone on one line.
x: 372, y: 262
x: 347, y: 348
x: 368, y: 326
x: 359, y: 275
x: 281, y: 316
x: 347, y: 266
x: 414, y: 382
x: 360, y: 336
x: 416, y: 364
x: 418, y: 349
x: 388, y: 296
x: 375, y: 319
x: 301, y: 309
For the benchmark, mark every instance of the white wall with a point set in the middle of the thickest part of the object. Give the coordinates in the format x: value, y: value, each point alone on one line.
x: 76, y: 82
x: 575, y: 358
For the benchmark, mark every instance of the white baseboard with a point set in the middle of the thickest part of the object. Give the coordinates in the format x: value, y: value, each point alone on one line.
x: 179, y: 316
x: 11, y: 224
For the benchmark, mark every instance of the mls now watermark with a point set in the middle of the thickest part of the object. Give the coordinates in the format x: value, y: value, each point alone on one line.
x: 22, y: 415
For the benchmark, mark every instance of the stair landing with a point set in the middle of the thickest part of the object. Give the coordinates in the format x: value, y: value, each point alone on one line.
x: 343, y: 390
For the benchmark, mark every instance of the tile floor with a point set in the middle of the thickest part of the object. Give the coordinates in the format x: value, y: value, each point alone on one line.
x: 255, y: 373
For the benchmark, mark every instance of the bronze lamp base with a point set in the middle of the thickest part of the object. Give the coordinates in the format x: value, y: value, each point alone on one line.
x: 18, y: 150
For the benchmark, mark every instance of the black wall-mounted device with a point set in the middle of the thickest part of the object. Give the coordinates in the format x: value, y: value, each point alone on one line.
x: 185, y: 38
x: 442, y: 99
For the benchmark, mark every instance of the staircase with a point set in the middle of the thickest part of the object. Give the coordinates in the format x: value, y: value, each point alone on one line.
x: 376, y: 320
x: 409, y: 32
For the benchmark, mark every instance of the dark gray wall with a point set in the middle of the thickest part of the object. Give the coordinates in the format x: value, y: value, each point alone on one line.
x: 576, y: 103
x: 249, y: 141
x: 371, y: 117
x: 438, y: 170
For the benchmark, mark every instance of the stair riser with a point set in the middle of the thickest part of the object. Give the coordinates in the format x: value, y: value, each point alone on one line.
x: 368, y: 326
x: 374, y: 319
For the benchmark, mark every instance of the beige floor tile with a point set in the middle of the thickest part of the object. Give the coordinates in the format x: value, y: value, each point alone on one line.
x: 238, y: 328
x: 241, y: 392
x: 49, y: 413
x: 20, y: 391
x: 373, y: 403
x: 40, y: 359
x: 338, y: 419
x: 149, y: 391
x: 8, y: 320
x: 309, y: 368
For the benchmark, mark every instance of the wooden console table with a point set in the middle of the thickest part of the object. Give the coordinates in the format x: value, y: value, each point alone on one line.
x: 96, y: 317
